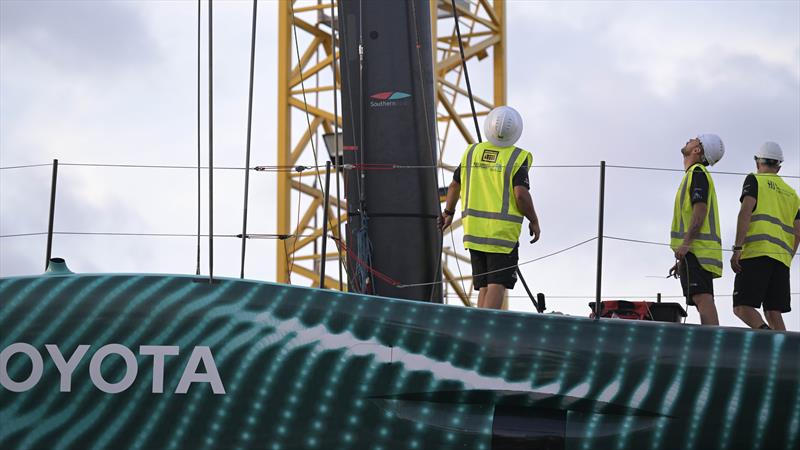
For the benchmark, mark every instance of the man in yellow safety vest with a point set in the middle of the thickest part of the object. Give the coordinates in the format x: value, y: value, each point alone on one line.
x: 493, y: 181
x: 767, y: 235
x: 695, y: 236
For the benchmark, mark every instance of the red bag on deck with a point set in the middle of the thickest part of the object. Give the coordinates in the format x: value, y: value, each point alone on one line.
x: 623, y: 310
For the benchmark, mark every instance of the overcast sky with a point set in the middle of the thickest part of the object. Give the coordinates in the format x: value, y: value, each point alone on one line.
x: 628, y: 83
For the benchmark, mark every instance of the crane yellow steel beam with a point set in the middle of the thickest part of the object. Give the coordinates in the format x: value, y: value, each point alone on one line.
x: 307, y: 55
x: 304, y: 140
x: 316, y: 193
x: 455, y: 117
x: 464, y: 92
x: 284, y: 133
x: 470, y: 51
x: 323, y: 64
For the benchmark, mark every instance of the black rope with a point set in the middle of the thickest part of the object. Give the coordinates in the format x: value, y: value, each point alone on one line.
x: 210, y: 144
x: 363, y: 244
x: 466, y: 73
x: 197, y: 271
x: 337, y: 161
x: 249, y: 133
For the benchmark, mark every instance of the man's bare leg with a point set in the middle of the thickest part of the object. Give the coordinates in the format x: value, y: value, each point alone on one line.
x: 482, y: 297
x: 775, y: 320
x: 494, y: 296
x: 749, y: 315
x: 706, y: 308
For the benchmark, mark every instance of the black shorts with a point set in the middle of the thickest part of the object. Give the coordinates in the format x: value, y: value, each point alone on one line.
x: 762, y: 279
x: 483, y: 262
x: 694, y: 279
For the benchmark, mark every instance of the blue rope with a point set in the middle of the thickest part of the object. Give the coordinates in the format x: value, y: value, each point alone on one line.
x: 364, y: 252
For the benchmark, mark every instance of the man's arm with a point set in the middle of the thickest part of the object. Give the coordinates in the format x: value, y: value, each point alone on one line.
x: 796, y: 236
x: 742, y: 224
x: 453, y: 193
x: 525, y: 205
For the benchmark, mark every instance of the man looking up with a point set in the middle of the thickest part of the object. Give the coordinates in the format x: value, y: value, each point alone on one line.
x: 695, y: 237
x: 767, y: 235
x: 496, y: 199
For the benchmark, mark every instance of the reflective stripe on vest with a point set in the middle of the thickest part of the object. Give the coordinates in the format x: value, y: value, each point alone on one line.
x: 492, y: 222
x: 770, y: 232
x: 490, y: 241
x: 707, y: 245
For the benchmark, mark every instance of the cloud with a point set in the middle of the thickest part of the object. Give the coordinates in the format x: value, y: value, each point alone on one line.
x: 114, y: 82
x: 87, y: 37
x: 591, y: 92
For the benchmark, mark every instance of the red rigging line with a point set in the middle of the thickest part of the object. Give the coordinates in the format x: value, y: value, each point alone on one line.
x: 308, y: 123
x: 382, y: 276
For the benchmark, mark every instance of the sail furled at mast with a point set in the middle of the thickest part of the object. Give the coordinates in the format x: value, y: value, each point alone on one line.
x: 389, y: 118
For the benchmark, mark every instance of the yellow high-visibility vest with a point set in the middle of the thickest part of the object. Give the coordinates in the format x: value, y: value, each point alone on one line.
x: 771, y: 230
x: 492, y: 221
x: 707, y: 246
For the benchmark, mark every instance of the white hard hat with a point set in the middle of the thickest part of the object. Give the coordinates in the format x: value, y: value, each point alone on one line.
x: 713, y: 148
x: 503, y: 126
x: 770, y: 150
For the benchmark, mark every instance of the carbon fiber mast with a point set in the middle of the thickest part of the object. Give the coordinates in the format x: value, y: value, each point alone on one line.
x: 389, y: 120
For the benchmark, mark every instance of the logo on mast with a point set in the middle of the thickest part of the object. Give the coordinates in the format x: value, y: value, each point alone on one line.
x: 388, y: 98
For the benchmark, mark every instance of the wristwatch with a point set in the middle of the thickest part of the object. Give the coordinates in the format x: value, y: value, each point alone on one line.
x: 737, y: 248
x: 448, y: 212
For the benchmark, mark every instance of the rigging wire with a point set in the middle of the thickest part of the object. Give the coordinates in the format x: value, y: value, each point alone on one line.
x: 337, y: 158
x: 210, y: 143
x: 25, y: 166
x: 112, y: 233
x: 308, y: 119
x: 363, y: 243
x: 621, y: 297
x: 197, y: 269
x: 125, y: 165
x: 639, y: 241
x: 433, y: 153
x: 371, y: 166
x: 294, y: 241
x: 249, y: 134
x: 403, y: 285
x: 666, y: 169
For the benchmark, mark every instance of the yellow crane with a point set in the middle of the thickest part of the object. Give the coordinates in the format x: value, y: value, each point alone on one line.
x: 308, y: 75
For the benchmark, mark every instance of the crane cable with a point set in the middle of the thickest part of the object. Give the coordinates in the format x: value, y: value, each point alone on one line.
x: 466, y: 72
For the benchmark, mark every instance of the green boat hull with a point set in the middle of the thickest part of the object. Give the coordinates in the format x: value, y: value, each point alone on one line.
x: 173, y: 362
